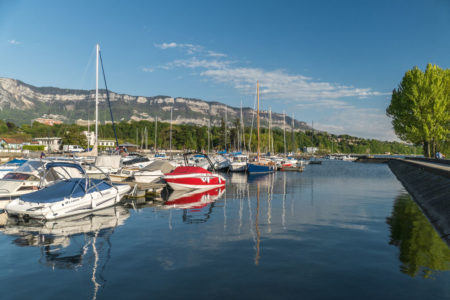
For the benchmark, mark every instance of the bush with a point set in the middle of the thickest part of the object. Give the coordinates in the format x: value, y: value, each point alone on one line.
x: 34, y: 147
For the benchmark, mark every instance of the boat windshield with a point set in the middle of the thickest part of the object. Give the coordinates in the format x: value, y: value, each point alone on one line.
x: 30, y: 166
x: 19, y: 176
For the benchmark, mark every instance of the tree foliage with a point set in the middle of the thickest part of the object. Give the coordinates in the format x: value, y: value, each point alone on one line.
x: 420, y: 108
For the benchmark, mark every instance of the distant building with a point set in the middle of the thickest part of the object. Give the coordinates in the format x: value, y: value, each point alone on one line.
x: 310, y: 150
x: 90, y: 136
x: 11, y: 143
x: 107, y: 143
x: 49, y: 122
x: 50, y: 143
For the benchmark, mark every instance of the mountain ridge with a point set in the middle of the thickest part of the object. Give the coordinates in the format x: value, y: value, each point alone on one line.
x: 21, y: 102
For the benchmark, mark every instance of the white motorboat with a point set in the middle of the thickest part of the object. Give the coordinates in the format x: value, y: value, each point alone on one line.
x: 24, y: 180
x: 67, y: 197
x: 123, y: 174
x: 239, y: 163
x: 153, y: 171
x: 11, y: 166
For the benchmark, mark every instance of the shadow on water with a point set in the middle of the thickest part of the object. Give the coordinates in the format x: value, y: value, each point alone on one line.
x: 71, y: 242
x: 422, y: 251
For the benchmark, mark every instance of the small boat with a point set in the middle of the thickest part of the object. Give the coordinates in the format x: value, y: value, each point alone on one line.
x: 11, y: 166
x: 25, y: 179
x: 153, y: 171
x: 293, y: 168
x: 67, y: 197
x: 189, y: 178
x: 239, y: 163
x: 123, y: 174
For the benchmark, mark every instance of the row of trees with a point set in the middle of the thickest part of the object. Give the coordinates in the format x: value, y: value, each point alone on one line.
x: 420, y: 109
x: 221, y: 137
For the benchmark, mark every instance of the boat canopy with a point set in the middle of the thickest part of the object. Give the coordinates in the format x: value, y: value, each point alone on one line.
x: 64, y: 165
x: 159, y: 165
x: 71, y: 188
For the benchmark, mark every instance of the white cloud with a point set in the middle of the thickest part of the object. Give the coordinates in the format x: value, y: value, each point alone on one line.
x: 14, y: 42
x: 190, y: 48
x: 216, y: 54
x: 148, y: 69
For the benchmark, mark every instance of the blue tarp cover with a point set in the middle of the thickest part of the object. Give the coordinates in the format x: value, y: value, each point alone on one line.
x: 17, y: 161
x: 74, y: 187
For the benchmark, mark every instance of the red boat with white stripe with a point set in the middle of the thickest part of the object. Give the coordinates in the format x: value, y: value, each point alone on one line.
x: 189, y: 178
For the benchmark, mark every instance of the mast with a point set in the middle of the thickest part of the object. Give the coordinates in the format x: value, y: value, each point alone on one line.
x: 170, y: 143
x: 284, y: 132
x: 293, y: 136
x: 243, y: 130
x: 257, y: 113
x: 226, y: 121
x: 96, y: 95
x: 156, y: 133
x: 270, y: 126
x: 209, y: 125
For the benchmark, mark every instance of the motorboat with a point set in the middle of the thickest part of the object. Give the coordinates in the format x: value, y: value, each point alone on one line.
x: 123, y: 174
x: 11, y: 166
x: 191, y: 177
x: 153, y: 171
x: 25, y: 179
x: 239, y: 163
x: 188, y: 178
x: 221, y: 163
x: 67, y: 197
x: 193, y: 199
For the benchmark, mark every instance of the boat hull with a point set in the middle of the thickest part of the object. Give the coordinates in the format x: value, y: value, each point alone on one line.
x: 194, y: 181
x: 260, y: 168
x: 69, y: 206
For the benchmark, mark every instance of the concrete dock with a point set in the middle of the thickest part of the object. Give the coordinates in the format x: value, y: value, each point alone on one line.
x: 428, y: 182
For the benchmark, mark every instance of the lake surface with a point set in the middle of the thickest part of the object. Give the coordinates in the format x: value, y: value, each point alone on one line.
x: 339, y: 230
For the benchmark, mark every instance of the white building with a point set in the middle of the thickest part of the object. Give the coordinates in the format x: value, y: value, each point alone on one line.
x: 310, y: 150
x: 107, y: 143
x: 90, y: 136
x: 50, y: 143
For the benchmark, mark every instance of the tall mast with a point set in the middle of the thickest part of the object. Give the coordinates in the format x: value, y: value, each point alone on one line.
x: 293, y: 136
x: 257, y: 113
x: 209, y: 125
x: 156, y: 133
x: 243, y: 130
x: 226, y: 121
x: 96, y: 96
x: 170, y: 143
x: 270, y: 126
x: 284, y: 132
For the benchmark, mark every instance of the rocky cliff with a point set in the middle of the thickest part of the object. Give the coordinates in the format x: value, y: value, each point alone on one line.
x: 21, y: 103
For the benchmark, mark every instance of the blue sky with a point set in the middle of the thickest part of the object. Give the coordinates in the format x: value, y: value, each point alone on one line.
x: 331, y: 62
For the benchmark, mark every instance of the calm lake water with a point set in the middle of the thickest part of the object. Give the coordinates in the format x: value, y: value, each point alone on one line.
x: 339, y: 230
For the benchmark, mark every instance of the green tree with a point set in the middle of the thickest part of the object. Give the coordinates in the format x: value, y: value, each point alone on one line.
x: 420, y: 107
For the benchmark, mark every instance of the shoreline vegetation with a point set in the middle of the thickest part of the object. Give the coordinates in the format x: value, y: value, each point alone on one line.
x: 420, y: 109
x: 196, y: 138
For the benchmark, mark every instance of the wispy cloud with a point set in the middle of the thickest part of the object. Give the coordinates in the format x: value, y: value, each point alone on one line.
x: 14, y: 42
x: 190, y: 48
x: 148, y: 69
x: 274, y: 84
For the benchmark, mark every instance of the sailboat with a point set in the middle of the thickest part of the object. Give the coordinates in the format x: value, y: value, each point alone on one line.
x: 260, y: 166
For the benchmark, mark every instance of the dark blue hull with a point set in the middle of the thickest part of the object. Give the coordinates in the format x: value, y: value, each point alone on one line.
x: 259, y: 169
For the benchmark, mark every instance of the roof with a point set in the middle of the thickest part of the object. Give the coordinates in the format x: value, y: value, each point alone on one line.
x: 13, y: 140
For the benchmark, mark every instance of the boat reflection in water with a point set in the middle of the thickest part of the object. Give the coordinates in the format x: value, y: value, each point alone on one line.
x: 193, y: 202
x: 68, y: 243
